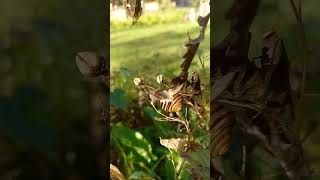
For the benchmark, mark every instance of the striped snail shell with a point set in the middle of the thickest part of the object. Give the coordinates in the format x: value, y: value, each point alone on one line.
x: 174, y: 101
x: 172, y: 105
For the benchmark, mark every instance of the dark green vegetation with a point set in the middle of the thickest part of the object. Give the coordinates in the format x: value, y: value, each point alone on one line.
x: 278, y: 15
x: 45, y: 110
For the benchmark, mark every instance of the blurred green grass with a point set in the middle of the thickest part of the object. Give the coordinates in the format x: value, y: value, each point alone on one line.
x: 148, y: 19
x: 154, y: 49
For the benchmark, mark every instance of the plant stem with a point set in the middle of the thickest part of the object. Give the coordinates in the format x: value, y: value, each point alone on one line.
x: 300, y: 7
x: 306, y: 57
x: 298, y: 15
x: 180, y: 169
x: 244, y: 160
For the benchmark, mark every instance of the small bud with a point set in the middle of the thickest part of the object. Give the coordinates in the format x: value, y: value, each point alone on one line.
x: 152, y: 103
x: 159, y: 78
x: 138, y: 81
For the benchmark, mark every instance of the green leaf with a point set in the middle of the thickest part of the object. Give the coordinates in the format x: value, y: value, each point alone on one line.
x: 185, y: 175
x: 169, y: 170
x: 119, y: 99
x: 24, y: 118
x: 150, y: 112
x: 136, y: 145
x: 138, y: 175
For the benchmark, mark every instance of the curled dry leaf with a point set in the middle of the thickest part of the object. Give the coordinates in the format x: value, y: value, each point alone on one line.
x: 158, y: 95
x: 164, y: 94
x: 220, y: 85
x: 90, y: 64
x: 115, y: 173
x: 180, y: 145
x: 177, y: 144
x: 183, y: 92
x: 175, y: 90
x: 170, y: 101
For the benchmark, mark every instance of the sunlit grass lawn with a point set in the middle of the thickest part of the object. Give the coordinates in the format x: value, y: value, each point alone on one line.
x: 151, y: 50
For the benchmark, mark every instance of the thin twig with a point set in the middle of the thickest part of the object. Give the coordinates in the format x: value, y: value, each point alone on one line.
x: 305, y: 47
x: 244, y: 161
x: 167, y: 118
x: 174, y: 166
x: 306, y: 57
x: 300, y: 7
x: 295, y: 11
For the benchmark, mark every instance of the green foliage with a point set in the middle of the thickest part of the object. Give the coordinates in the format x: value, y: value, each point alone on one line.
x: 119, y: 99
x: 169, y: 170
x: 22, y: 118
x: 136, y: 146
x: 150, y: 112
x: 165, y: 4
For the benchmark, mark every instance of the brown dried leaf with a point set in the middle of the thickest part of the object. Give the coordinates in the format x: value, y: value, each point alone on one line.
x: 158, y: 95
x: 115, y: 173
x: 175, y: 90
x: 220, y: 85
x: 192, y: 46
x: 90, y: 63
x: 276, y: 65
x: 176, y: 144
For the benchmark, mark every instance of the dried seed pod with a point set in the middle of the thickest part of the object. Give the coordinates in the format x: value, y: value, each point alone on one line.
x: 159, y: 78
x: 152, y: 103
x: 138, y: 81
x: 221, y: 125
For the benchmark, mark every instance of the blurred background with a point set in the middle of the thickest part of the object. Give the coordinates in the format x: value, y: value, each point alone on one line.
x: 279, y: 15
x: 48, y: 114
x: 152, y: 46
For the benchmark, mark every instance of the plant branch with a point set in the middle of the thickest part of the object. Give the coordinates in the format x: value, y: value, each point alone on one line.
x: 300, y: 7
x: 244, y: 161
x: 192, y: 47
x: 306, y: 53
x: 166, y: 118
x: 306, y: 58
